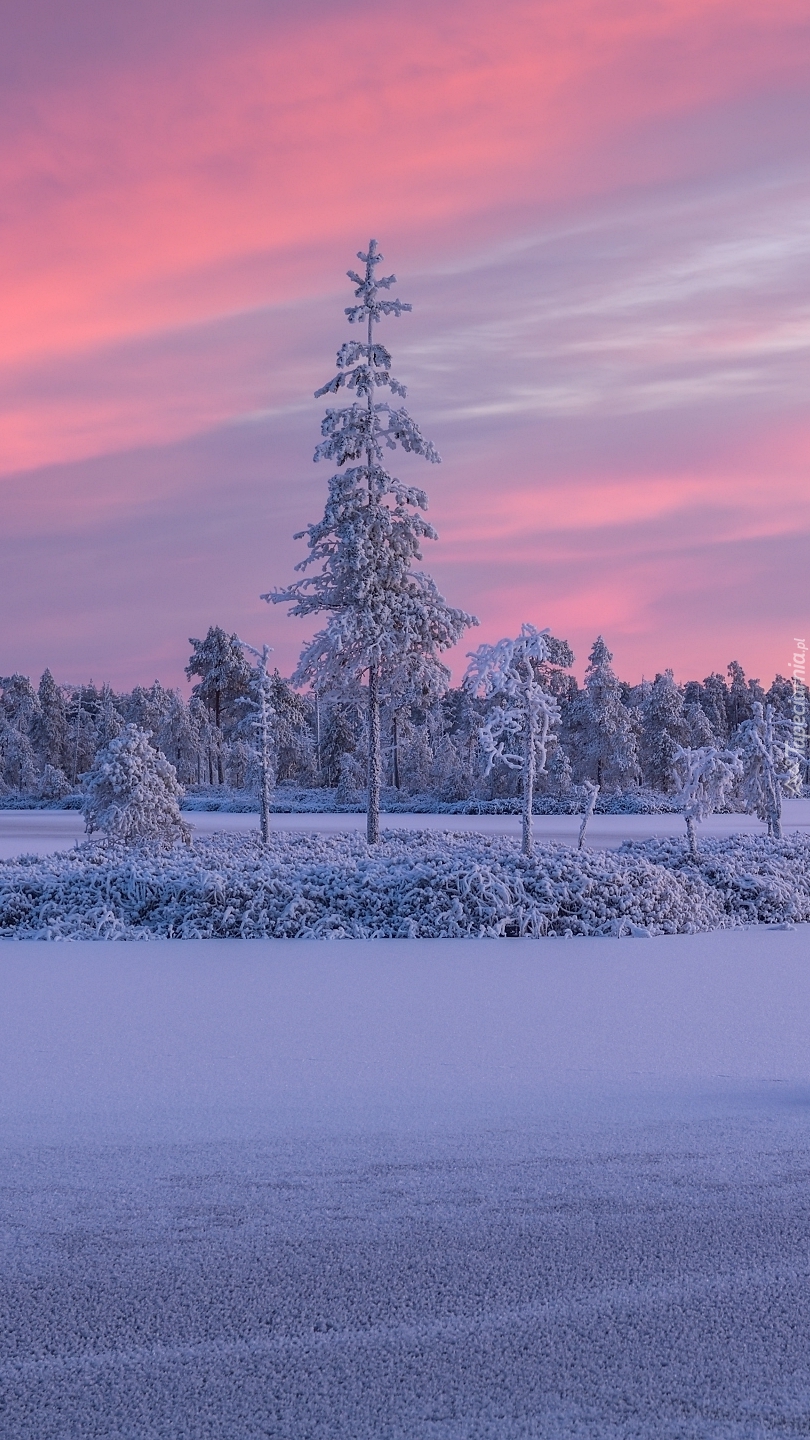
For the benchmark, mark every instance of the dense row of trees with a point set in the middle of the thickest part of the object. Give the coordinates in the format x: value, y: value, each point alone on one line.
x: 610, y: 733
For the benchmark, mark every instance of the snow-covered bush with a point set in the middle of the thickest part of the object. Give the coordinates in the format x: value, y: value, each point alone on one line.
x: 410, y: 885
x: 132, y: 794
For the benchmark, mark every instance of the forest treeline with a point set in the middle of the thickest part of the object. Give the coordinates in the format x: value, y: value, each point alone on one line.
x: 613, y: 734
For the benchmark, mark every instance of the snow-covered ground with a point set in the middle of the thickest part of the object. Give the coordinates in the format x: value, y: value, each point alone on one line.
x: 418, y: 1190
x: 40, y: 832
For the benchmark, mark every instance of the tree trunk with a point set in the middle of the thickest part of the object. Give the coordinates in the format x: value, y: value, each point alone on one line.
x: 593, y: 791
x: 264, y: 798
x: 395, y: 749
x: 217, y: 705
x: 373, y: 810
x: 692, y: 834
x: 528, y: 782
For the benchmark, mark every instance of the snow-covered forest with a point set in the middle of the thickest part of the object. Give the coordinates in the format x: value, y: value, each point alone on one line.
x: 625, y: 738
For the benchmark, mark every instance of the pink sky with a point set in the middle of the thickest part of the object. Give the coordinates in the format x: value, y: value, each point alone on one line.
x: 600, y: 210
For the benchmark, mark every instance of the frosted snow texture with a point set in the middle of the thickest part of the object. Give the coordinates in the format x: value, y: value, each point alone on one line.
x: 406, y: 1191
x: 415, y: 885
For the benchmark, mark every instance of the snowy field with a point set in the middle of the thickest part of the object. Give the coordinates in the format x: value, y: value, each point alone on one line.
x: 41, y: 832
x: 417, y: 1190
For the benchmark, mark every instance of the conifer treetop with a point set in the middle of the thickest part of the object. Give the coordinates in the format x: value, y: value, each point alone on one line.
x: 365, y: 367
x: 383, y: 612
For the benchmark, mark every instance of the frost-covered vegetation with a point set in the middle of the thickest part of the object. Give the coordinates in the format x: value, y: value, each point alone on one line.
x: 413, y: 884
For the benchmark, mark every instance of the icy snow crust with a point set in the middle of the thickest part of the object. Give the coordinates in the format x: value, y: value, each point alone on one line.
x: 413, y: 885
x: 406, y: 1190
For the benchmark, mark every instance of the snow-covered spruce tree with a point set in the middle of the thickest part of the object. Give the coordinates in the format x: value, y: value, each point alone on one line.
x: 517, y: 728
x: 382, y: 613
x: 132, y: 794
x: 742, y: 696
x: 664, y: 730
x: 706, y: 776
x: 19, y: 713
x: 50, y: 732
x: 601, y: 731
x: 712, y: 696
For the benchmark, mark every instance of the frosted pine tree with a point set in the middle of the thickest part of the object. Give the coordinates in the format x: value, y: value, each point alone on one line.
x: 383, y: 615
x: 664, y: 730
x: 517, y: 729
x: 600, y: 730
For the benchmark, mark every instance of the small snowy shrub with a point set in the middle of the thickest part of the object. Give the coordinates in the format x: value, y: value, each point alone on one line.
x: 132, y: 792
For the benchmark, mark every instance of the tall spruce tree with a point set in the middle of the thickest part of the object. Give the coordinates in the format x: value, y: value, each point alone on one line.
x: 604, y: 727
x: 383, y: 616
x: 51, y: 726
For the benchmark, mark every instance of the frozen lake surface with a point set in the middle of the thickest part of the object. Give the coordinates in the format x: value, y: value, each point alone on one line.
x: 440, y: 1189
x: 40, y: 832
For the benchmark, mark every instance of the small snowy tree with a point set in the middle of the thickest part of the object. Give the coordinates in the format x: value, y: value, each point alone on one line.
x: 382, y: 613
x: 132, y: 792
x: 591, y: 792
x: 759, y: 787
x: 517, y: 729
x: 263, y: 725
x: 706, y: 776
